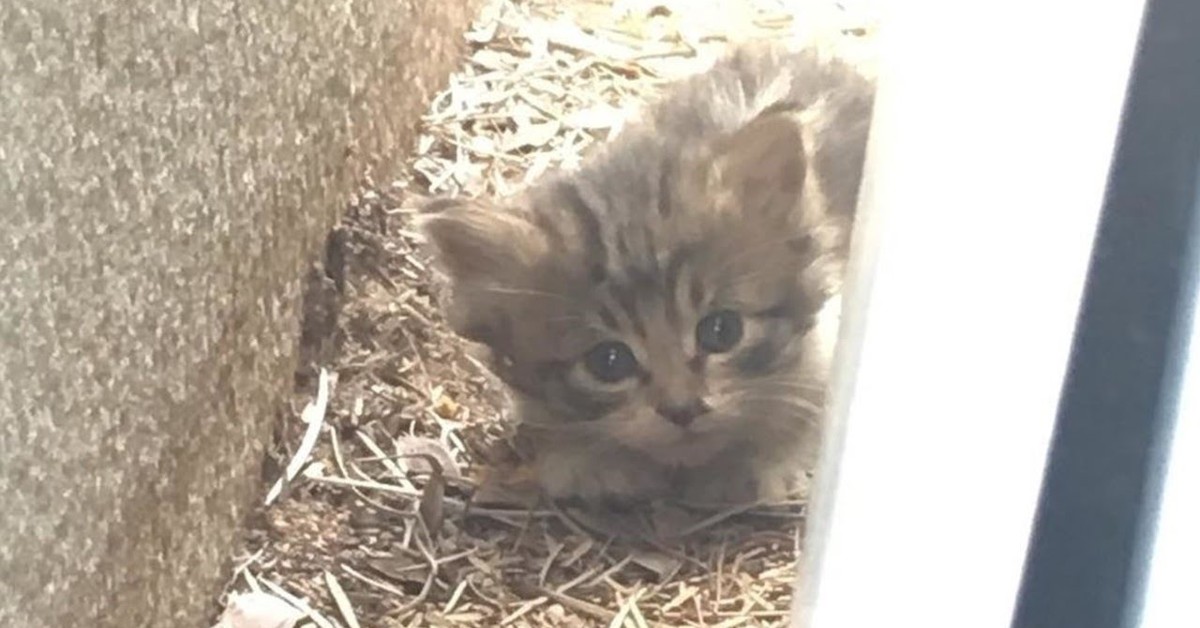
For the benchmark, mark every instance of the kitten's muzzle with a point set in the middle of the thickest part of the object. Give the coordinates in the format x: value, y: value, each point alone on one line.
x: 683, y: 415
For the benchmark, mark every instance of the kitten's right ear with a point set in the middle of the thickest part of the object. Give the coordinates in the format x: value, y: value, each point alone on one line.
x: 478, y: 243
x: 763, y: 165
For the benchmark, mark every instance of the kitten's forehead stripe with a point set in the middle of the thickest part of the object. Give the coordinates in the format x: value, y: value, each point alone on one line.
x: 675, y: 266
x: 610, y: 300
x: 653, y: 256
x: 607, y: 317
x: 628, y: 295
x: 589, y: 224
x: 666, y: 173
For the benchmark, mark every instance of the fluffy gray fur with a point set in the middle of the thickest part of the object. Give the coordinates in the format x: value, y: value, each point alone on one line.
x: 734, y: 193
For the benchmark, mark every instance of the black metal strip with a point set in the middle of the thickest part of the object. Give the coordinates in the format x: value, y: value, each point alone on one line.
x: 1099, y: 501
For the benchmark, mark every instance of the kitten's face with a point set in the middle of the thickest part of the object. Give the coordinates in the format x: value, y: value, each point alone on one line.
x: 662, y: 306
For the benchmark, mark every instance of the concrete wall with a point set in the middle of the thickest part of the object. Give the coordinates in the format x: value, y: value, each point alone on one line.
x: 167, y: 169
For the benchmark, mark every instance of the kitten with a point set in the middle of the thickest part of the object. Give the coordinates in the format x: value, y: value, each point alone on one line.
x: 655, y: 314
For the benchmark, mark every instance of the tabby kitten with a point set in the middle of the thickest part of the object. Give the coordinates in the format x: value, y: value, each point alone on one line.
x: 658, y: 314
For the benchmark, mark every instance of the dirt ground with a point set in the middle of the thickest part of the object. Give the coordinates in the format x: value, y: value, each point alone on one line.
x: 409, y: 506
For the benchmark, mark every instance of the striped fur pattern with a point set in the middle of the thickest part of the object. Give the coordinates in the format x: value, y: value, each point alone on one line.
x: 734, y: 194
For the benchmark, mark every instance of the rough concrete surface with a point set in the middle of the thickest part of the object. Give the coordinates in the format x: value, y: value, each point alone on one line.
x: 167, y: 169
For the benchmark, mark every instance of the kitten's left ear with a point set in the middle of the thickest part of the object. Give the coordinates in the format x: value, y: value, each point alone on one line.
x: 762, y: 166
x: 477, y: 243
x: 480, y: 247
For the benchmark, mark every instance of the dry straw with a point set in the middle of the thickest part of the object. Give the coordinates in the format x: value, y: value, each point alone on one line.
x: 382, y: 522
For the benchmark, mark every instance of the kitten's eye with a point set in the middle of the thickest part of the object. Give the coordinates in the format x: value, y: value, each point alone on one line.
x: 610, y: 362
x: 719, y: 332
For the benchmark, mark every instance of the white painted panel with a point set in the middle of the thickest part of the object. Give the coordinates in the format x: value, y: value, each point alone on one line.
x: 993, y: 135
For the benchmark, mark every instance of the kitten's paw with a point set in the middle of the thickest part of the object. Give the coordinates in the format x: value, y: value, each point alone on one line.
x: 736, y: 484
x: 620, y: 484
x: 718, y: 486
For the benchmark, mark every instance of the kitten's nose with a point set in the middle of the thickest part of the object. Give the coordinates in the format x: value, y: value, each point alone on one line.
x: 683, y: 415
